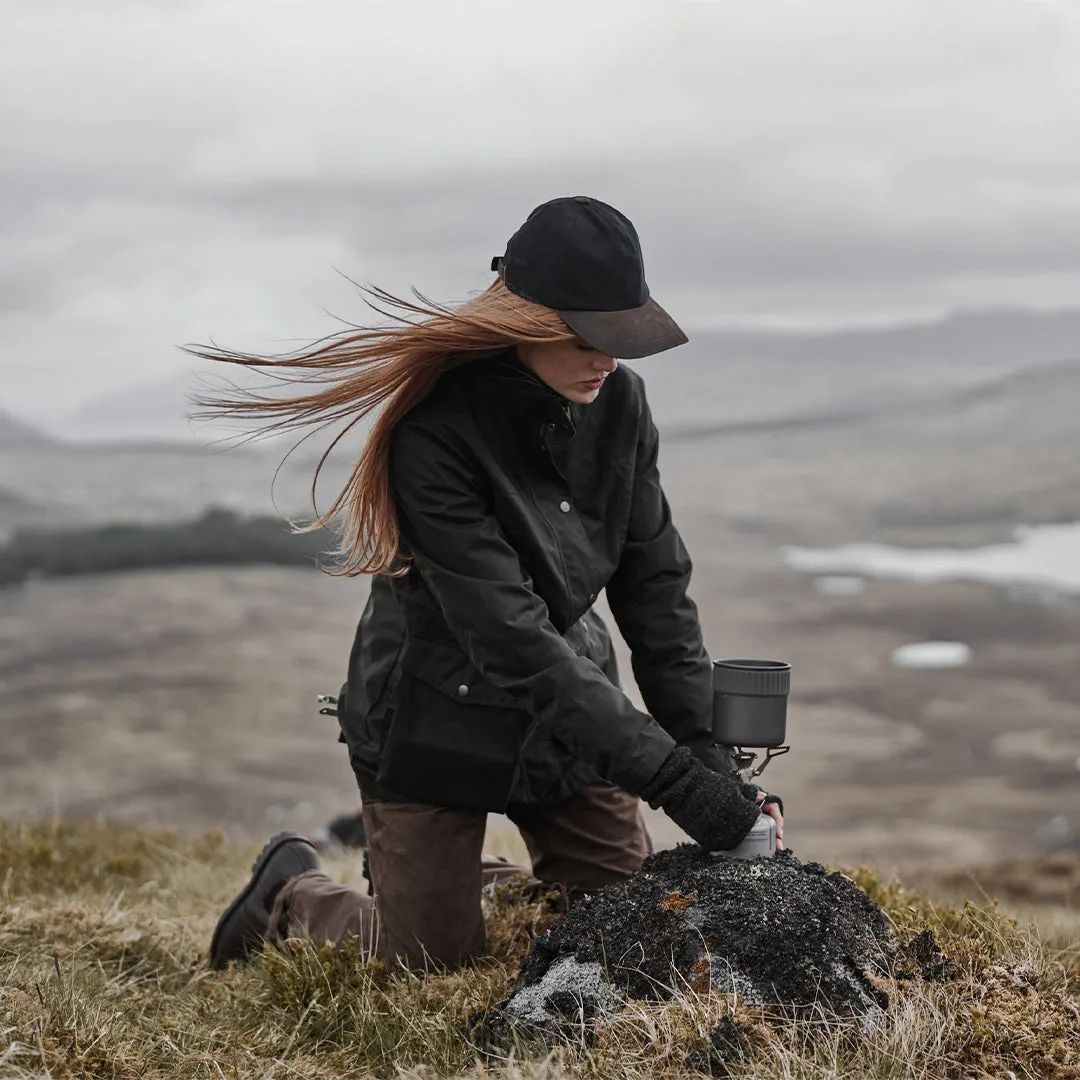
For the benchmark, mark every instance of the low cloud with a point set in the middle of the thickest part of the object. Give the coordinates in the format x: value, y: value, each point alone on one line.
x: 180, y: 171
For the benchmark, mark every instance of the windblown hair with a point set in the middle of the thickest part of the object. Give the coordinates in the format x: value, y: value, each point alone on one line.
x: 353, y: 372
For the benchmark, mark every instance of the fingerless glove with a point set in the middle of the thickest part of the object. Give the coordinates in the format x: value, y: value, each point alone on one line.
x: 711, y: 756
x: 709, y: 806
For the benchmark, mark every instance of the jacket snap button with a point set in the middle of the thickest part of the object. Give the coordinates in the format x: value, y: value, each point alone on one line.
x: 463, y: 690
x: 564, y: 506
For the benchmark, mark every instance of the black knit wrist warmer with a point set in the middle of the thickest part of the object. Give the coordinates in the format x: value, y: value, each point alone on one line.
x: 709, y: 806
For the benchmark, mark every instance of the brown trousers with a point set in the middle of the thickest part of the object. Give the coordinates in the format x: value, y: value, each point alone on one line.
x: 428, y: 872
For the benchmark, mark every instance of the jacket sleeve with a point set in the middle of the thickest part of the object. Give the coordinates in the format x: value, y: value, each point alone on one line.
x: 655, y: 615
x: 500, y: 622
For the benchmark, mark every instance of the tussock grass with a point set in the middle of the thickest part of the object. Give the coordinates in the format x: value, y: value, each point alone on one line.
x: 103, y: 932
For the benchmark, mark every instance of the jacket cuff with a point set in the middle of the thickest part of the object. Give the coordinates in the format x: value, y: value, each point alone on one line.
x: 654, y: 749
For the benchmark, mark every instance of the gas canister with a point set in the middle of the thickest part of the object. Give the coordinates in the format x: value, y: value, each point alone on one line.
x: 760, y: 840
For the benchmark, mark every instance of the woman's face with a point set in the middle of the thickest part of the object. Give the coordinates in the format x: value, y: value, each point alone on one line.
x: 571, y: 368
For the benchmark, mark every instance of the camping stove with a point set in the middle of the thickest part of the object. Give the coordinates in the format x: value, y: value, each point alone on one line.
x: 750, y: 710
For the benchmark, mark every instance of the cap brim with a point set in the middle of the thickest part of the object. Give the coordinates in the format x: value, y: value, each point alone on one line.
x: 627, y: 334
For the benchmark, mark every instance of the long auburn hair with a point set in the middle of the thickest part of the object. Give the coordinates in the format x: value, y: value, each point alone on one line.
x: 355, y: 371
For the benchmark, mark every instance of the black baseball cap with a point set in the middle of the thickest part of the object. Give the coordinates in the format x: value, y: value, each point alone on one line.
x: 583, y: 258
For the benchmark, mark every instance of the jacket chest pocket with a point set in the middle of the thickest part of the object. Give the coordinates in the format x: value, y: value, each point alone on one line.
x: 453, y: 740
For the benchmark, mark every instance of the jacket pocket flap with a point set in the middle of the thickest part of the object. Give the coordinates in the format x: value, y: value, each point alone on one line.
x: 443, y: 665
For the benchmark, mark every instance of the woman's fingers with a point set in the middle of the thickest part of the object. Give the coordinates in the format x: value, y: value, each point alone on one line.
x: 774, y: 812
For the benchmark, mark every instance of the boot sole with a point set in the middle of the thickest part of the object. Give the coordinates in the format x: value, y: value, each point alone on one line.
x: 269, y: 850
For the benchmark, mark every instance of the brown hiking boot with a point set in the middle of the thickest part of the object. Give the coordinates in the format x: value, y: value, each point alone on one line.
x: 246, y: 921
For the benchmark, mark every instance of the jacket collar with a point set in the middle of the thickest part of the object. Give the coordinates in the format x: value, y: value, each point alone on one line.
x: 510, y: 385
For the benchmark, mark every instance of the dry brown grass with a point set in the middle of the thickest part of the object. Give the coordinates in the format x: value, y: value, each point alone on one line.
x: 103, y: 933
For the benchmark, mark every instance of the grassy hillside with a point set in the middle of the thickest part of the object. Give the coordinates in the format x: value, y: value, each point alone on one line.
x: 103, y: 974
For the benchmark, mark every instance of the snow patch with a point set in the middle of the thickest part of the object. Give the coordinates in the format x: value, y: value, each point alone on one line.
x: 932, y: 654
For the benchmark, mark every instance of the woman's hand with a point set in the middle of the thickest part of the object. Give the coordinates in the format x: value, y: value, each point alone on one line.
x: 773, y: 810
x: 710, y: 807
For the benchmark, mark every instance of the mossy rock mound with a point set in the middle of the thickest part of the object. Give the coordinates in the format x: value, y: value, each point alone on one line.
x: 776, y: 932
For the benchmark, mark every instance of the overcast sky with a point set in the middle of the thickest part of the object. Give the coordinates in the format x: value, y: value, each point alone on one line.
x: 175, y: 170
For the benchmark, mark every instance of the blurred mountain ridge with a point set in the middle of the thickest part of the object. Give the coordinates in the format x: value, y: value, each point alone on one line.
x: 720, y: 378
x: 17, y: 432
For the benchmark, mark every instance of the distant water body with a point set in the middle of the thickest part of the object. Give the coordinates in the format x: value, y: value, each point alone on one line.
x: 1042, y: 558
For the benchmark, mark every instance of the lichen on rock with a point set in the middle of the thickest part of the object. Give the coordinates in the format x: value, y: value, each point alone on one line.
x: 568, y: 990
